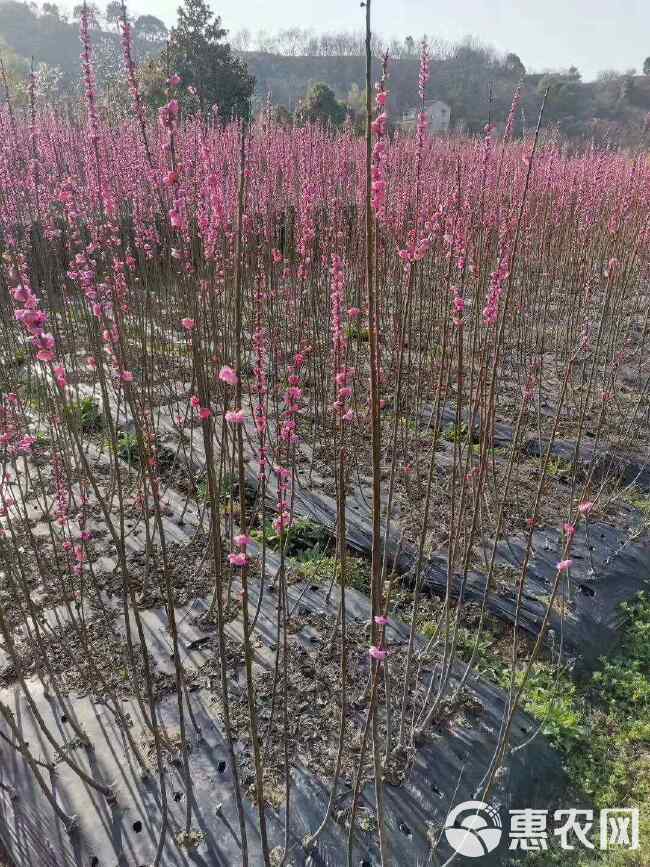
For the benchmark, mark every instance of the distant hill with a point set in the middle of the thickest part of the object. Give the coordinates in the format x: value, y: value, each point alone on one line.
x: 475, y: 84
x: 50, y: 38
x: 473, y: 80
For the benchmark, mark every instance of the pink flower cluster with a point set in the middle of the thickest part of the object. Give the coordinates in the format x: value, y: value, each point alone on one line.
x: 342, y: 374
x: 261, y: 389
x: 498, y: 280
x: 379, y: 156
x: 425, y: 65
x: 458, y: 305
x: 292, y: 395
x: 33, y: 319
x: 416, y: 250
x: 89, y: 75
x: 283, y: 520
x: 240, y: 558
x: 228, y: 375
x: 204, y: 411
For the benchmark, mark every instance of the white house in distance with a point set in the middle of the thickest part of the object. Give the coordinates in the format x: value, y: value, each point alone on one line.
x: 438, y: 112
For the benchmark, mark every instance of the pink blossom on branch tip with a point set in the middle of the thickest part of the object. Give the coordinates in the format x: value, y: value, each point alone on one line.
x: 235, y: 416
x: 228, y: 375
x: 25, y: 445
x: 377, y: 653
x: 282, y: 522
x: 563, y: 565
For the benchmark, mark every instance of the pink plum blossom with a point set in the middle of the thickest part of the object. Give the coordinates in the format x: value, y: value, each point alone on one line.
x: 227, y: 374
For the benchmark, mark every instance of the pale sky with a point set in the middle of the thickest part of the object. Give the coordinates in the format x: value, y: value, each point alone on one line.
x: 590, y: 34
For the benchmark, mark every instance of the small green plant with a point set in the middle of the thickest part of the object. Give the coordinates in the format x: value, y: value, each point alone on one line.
x: 558, y: 467
x: 603, y: 728
x: 455, y: 433
x: 127, y: 448
x: 552, y: 698
x: 202, y: 494
x: 487, y: 662
x: 86, y: 414
x: 20, y: 357
x: 304, y: 539
x: 459, y: 434
x: 317, y: 569
x: 358, y: 332
x: 409, y: 423
x: 639, y: 501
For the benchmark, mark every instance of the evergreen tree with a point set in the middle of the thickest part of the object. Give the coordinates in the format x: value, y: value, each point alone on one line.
x: 199, y: 53
x: 322, y: 106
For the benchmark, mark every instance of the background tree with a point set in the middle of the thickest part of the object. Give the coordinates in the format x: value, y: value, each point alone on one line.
x: 608, y: 75
x: 242, y: 40
x: 93, y: 13
x: 150, y: 29
x: 51, y: 9
x: 151, y: 77
x: 16, y: 70
x: 198, y: 52
x: 646, y: 66
x: 321, y: 106
x: 283, y: 116
x: 113, y: 14
x: 514, y: 66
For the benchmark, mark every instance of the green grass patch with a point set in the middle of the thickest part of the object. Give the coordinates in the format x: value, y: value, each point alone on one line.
x: 639, y: 501
x: 357, y: 332
x: 326, y: 569
x: 127, y: 448
x: 303, y: 540
x: 602, y: 728
x: 85, y: 415
x: 557, y: 467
